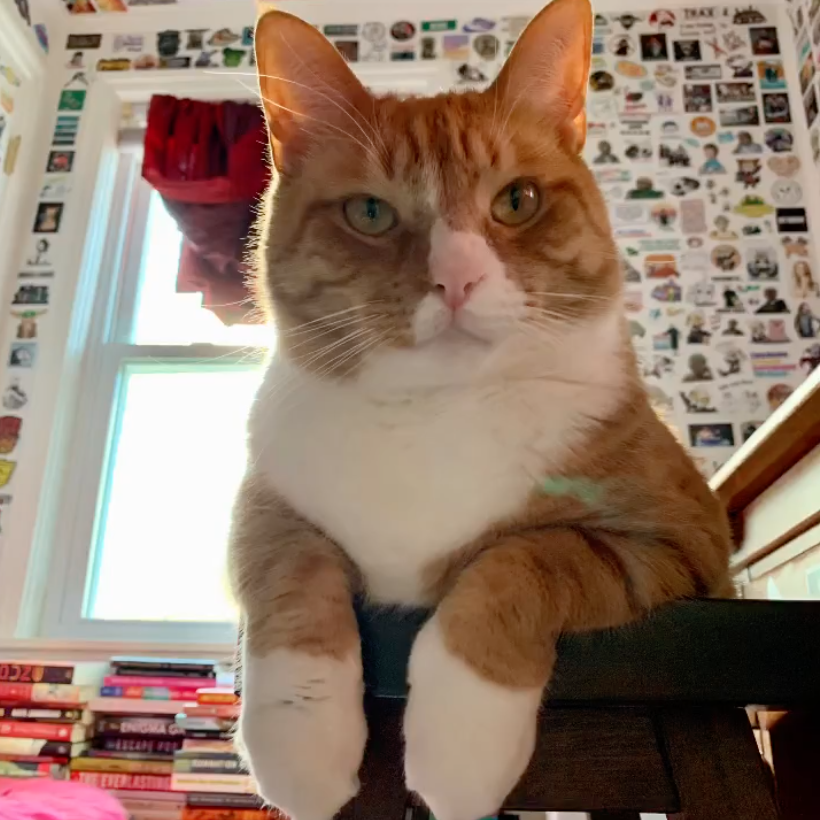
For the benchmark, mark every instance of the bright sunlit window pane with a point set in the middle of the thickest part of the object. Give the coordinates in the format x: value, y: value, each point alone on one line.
x: 165, y: 317
x: 177, y: 460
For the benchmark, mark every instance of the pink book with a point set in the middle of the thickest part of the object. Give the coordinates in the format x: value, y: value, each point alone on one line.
x: 170, y: 683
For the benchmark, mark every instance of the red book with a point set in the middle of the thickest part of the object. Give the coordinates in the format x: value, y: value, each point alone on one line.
x: 46, y: 693
x: 118, y: 780
x: 148, y: 680
x: 69, y: 733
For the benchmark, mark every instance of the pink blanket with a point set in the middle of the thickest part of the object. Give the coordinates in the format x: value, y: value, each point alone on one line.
x: 52, y: 800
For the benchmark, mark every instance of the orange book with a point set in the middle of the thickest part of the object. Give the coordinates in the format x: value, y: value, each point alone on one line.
x: 216, y: 696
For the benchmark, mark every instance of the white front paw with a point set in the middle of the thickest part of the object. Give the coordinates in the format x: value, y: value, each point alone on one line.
x: 469, y: 740
x: 303, y: 731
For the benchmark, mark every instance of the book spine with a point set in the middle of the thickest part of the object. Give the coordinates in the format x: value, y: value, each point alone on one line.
x: 164, y: 726
x: 33, y: 713
x: 106, y: 764
x: 41, y: 731
x: 148, y: 693
x: 44, y: 692
x: 115, y: 780
x: 40, y: 748
x: 142, y: 745
x: 216, y: 767
x: 35, y: 673
x: 223, y: 800
x: 242, y: 784
x: 170, y: 682
x: 192, y: 813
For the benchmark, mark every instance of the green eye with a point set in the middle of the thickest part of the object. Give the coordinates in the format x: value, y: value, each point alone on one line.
x: 517, y: 203
x: 370, y: 215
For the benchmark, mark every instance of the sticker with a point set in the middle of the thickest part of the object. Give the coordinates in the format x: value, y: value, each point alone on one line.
x: 605, y: 154
x: 168, y: 43
x: 40, y: 258
x: 233, y: 57
x: 456, y: 46
x: 772, y: 364
x: 810, y: 358
x: 65, y: 130
x: 478, y: 25
x: 662, y: 18
x: 787, y: 192
x: 683, y: 186
x: 627, y: 20
x: 471, y: 74
x: 743, y: 115
x: 72, y: 100
x: 601, y: 81
x: 795, y: 246
x: 792, y: 220
x: 764, y: 41
x: 222, y: 37
x: 175, y: 62
x: 698, y: 369
x: 746, y: 144
x: 48, y: 218
x: 742, y: 67
x: 644, y: 189
x: 60, y: 162
x: 779, y: 140
x: 42, y: 36
x: 31, y: 295
x: 622, y: 45
x: 711, y: 164
x: 807, y: 72
x: 693, y: 216
x: 726, y: 258
x: 77, y: 60
x: 77, y: 42
x: 748, y: 172
x: 703, y: 72
x: 661, y: 266
x: 116, y: 64
x: 665, y: 75
x: 747, y: 16
x: 703, y: 126
x: 134, y: 43
x: 9, y: 433
x: 771, y: 75
x: 698, y: 400
x: 341, y: 30
x: 811, y: 106
x: 776, y: 108
x: 711, y: 435
x: 204, y: 60
x: 753, y: 207
x: 428, y: 48
x: 402, y: 31
x: 654, y: 47
x: 686, y: 50
x: 664, y: 215
x: 14, y: 397
x: 668, y: 292
x: 486, y: 46
x: 762, y: 264
x: 247, y: 36
x: 6, y: 471
x: 674, y: 156
x: 803, y: 282
x: 735, y: 92
x: 772, y: 302
x: 697, y: 98
x: 439, y: 25
x: 23, y: 354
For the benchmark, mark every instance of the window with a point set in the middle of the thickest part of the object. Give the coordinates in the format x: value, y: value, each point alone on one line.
x: 160, y: 445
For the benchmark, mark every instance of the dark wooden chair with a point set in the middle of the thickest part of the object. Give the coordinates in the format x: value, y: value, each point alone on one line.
x: 647, y: 718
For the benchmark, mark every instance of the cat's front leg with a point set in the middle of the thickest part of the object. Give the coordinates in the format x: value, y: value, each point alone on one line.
x: 302, y: 727
x: 479, y: 667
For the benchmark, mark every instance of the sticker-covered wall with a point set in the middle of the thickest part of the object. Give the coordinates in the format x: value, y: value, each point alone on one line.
x: 691, y: 138
x: 805, y: 17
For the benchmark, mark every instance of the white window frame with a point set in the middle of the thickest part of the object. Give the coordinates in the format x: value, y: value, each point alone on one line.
x: 41, y: 603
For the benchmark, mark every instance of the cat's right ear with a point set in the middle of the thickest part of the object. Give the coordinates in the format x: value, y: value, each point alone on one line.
x: 307, y: 89
x: 549, y: 67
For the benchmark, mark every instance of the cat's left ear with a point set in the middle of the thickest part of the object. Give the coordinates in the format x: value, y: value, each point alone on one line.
x: 549, y: 67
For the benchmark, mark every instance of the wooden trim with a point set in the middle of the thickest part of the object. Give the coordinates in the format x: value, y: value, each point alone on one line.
x: 789, y: 435
x: 785, y: 538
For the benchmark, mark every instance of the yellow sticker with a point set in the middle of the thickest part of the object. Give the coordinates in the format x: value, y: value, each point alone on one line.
x: 6, y: 471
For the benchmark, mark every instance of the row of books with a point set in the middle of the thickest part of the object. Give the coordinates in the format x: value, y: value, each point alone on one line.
x: 156, y: 733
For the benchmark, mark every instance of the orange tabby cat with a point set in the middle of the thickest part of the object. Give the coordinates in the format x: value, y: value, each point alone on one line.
x: 453, y: 419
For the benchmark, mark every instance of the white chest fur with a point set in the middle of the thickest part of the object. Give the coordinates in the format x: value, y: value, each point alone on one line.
x: 399, y: 484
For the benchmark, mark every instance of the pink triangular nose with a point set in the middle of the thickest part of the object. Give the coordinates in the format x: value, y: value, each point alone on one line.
x: 456, y: 284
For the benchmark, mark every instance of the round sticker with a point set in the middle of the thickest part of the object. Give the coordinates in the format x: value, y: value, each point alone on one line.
x: 784, y: 166
x: 622, y: 45
x: 703, y: 126
x: 403, y: 30
x: 601, y: 81
x: 486, y: 46
x: 666, y: 75
x: 787, y: 192
x: 374, y: 32
x: 662, y: 18
x: 726, y: 257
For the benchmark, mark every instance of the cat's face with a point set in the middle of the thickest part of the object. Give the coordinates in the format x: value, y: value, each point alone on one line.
x: 430, y: 226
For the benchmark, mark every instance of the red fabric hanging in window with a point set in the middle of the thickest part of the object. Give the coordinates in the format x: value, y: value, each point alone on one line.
x: 208, y: 161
